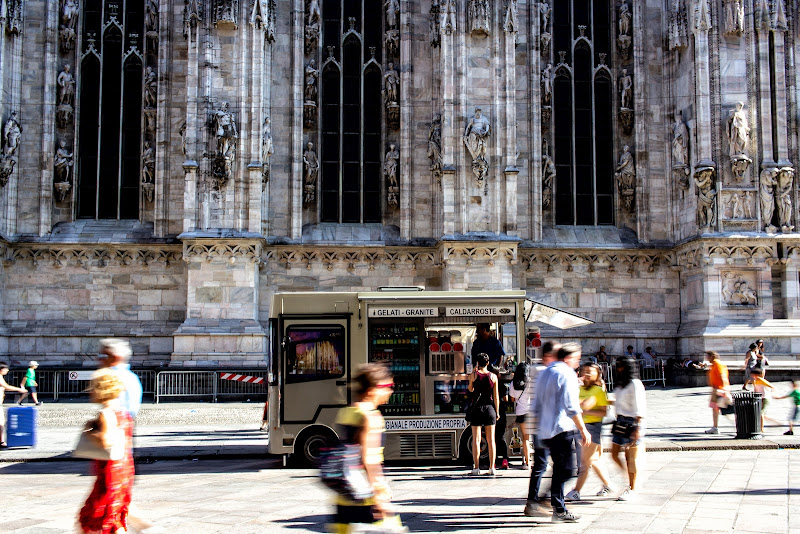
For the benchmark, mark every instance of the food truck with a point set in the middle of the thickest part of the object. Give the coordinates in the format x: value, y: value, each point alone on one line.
x: 319, y: 339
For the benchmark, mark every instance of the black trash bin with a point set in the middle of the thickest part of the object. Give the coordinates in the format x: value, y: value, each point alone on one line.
x: 747, y: 409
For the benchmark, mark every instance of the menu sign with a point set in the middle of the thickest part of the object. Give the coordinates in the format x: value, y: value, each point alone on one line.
x: 451, y: 423
x: 403, y: 311
x: 483, y: 309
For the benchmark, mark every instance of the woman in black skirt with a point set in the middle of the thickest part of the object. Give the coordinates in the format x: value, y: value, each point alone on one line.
x: 483, y: 410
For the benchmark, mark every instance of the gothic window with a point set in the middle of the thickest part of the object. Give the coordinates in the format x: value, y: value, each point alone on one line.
x: 110, y: 109
x: 352, y: 118
x: 582, y: 120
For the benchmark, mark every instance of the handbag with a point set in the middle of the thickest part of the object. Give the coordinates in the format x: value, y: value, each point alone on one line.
x: 622, y: 428
x: 341, y: 470
x: 91, y: 450
x: 473, y: 400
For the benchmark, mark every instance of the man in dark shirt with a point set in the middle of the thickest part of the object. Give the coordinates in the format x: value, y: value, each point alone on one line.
x: 486, y: 342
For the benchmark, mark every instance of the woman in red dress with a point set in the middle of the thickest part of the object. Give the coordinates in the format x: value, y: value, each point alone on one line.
x: 106, y: 509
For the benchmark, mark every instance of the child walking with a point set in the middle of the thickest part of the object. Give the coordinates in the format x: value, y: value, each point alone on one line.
x: 795, y: 396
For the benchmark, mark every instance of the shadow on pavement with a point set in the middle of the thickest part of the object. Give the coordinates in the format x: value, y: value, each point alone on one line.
x: 188, y: 467
x: 307, y: 523
x: 773, y: 491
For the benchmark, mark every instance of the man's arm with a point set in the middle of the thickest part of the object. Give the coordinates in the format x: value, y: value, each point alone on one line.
x: 9, y: 387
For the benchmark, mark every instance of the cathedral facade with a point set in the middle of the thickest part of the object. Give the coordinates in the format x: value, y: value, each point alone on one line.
x: 168, y: 165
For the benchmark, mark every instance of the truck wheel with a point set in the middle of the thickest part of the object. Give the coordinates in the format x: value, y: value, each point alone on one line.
x: 465, y: 449
x: 308, y: 447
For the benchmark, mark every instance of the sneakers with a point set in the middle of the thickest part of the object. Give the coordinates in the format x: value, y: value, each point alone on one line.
x: 712, y: 430
x: 504, y: 464
x: 526, y: 467
x: 536, y: 509
x: 475, y: 472
x: 39, y: 403
x: 604, y: 492
x: 788, y: 433
x: 572, y: 496
x: 627, y: 495
x: 492, y: 472
x: 565, y: 517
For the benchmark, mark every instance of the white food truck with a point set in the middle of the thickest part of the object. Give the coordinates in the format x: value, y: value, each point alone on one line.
x: 319, y: 339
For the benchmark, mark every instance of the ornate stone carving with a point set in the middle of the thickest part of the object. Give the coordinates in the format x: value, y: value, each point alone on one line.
x: 548, y: 176
x: 734, y: 17
x: 13, y: 14
x: 392, y: 14
x: 738, y: 290
x: 435, y: 145
x: 737, y: 205
x: 69, y: 20
x: 66, y: 97
x: 392, y: 41
x: 706, y: 196
x: 62, y: 166
x: 478, y: 11
x: 436, y: 23
x: 310, y: 95
x: 226, y: 14
x: 766, y: 192
x: 448, y: 16
x: 544, y: 44
x: 391, y: 80
x: 737, y: 131
x: 6, y: 170
x: 390, y: 173
x: 678, y: 39
x: 510, y: 24
x: 624, y: 39
x: 150, y: 117
x: 313, y: 21
x: 680, y: 151
x: 476, y: 137
x: 191, y: 16
x: 263, y: 17
x: 11, y: 134
x: 783, y: 198
x: 702, y: 15
x: 226, y: 136
x: 778, y: 20
x: 148, y: 171
x: 626, y: 178
x: 182, y: 132
x: 763, y: 16
x: 544, y: 16
x: 547, y: 84
x: 310, y: 173
x: 151, y: 21
x: 266, y: 150
x: 625, y: 90
x: 150, y: 88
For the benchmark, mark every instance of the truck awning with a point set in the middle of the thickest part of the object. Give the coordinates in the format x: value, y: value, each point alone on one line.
x: 536, y: 311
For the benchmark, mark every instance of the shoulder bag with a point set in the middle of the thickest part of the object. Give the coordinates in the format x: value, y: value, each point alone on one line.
x: 341, y: 470
x: 622, y: 428
x: 91, y: 450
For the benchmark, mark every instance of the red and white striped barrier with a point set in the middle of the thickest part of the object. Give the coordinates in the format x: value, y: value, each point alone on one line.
x: 242, y: 378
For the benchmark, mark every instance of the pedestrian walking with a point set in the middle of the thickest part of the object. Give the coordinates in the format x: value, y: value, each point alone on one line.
x: 521, y: 390
x: 558, y: 412
x: 362, y: 424
x: 749, y: 362
x: 482, y: 412
x: 720, y: 388
x: 594, y: 404
x: 30, y: 384
x: 794, y: 395
x: 760, y: 385
x: 106, y: 508
x: 115, y: 354
x: 5, y: 386
x: 629, y: 428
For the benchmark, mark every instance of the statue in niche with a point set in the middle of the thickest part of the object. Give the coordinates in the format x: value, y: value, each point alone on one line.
x: 677, y: 25
x: 148, y: 171
x: 449, y: 16
x: 680, y: 151
x: 66, y: 87
x: 748, y: 205
x: 768, y: 182
x: 63, y: 163
x: 734, y: 17
x: 626, y: 178
x: 624, y: 38
x: 544, y: 16
x: 310, y: 92
x: 548, y: 176
x: 510, y: 20
x: 435, y: 145
x: 392, y: 13
x: 479, y: 16
x: 737, y: 130
x: 227, y: 13
x: 225, y: 133
x: 547, y: 84
x: 69, y: 19
x: 182, y: 133
x: 783, y: 198
x: 266, y: 150
x: 392, y: 79
x: 151, y: 15
x: 12, y: 132
x: 476, y: 137
x: 390, y: 172
x: 313, y: 22
x: 191, y: 16
x: 737, y: 211
x: 625, y: 90
x: 435, y: 23
x: 311, y: 171
x: 706, y: 194
x: 392, y: 41
x: 150, y: 88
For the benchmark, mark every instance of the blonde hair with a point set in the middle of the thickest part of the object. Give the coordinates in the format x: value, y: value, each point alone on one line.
x: 106, y: 385
x: 118, y: 348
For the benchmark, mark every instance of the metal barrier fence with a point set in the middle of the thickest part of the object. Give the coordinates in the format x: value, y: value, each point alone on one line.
x: 608, y: 375
x: 652, y: 374
x: 186, y: 384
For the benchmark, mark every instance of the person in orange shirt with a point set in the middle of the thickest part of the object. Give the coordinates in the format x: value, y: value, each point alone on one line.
x: 720, y: 386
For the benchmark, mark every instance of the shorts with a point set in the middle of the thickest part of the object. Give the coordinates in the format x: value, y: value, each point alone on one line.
x: 596, y: 431
x: 622, y: 440
x: 31, y: 389
x: 483, y: 415
x: 795, y: 413
x: 714, y: 398
x: 764, y: 404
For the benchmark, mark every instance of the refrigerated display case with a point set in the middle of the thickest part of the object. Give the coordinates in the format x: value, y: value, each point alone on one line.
x: 398, y: 345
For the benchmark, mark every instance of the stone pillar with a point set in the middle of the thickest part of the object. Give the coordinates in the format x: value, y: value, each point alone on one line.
x: 191, y: 125
x: 406, y: 118
x: 296, y: 174
x: 451, y: 220
x: 221, y: 326
x: 164, y: 129
x: 763, y: 83
x: 48, y: 145
x: 509, y: 144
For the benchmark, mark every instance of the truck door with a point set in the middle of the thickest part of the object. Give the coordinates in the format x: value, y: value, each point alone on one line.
x: 315, y: 365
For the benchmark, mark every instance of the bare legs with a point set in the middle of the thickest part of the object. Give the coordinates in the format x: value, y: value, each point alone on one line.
x: 589, y: 458
x: 629, y: 466
x: 526, y: 445
x: 476, y: 446
x: 715, y: 415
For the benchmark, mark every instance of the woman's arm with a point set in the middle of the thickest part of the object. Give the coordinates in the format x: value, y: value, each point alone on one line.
x: 496, y: 394
x: 471, y: 379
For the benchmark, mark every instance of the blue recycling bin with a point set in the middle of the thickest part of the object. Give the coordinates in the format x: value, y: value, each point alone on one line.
x: 22, y: 424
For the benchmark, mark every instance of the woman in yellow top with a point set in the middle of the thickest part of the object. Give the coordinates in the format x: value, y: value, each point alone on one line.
x: 361, y: 423
x: 594, y: 404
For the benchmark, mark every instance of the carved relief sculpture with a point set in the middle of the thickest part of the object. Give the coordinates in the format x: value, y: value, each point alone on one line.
x: 310, y: 173
x: 734, y: 17
x: 12, y: 131
x: 680, y: 151
x: 266, y: 150
x: 313, y: 21
x: 783, y: 198
x: 748, y: 204
x: 478, y: 11
x: 391, y: 79
x: 390, y: 173
x: 448, y: 16
x: 226, y: 136
x: 182, y: 132
x: 435, y: 145
x: 148, y: 171
x: 736, y: 290
x: 624, y: 39
x: 706, y: 195
x: 626, y: 178
x: 69, y: 19
x: 436, y: 23
x: 63, y: 171
x: 766, y: 192
x: 626, y: 102
x: 310, y: 95
x: 736, y: 205
x: 476, y: 137
x: 548, y: 176
x: 66, y: 97
x: 738, y: 131
x: 678, y: 39
x: 226, y: 14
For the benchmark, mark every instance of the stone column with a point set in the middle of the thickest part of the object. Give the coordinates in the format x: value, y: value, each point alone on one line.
x: 48, y: 145
x: 764, y: 86
x: 404, y: 180
x: 164, y: 130
x: 296, y: 174
x: 190, y: 166
x: 509, y: 199
x: 450, y: 222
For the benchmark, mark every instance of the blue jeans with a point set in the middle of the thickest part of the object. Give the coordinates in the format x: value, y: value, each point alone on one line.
x: 540, y: 455
x: 561, y: 449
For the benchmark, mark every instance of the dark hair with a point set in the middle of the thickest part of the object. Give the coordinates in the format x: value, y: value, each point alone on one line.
x: 368, y: 376
x: 759, y: 340
x: 627, y: 371
x: 629, y: 347
x: 648, y: 349
x: 3, y: 365
x: 482, y: 359
x: 548, y: 347
x: 520, y: 376
x: 753, y: 346
x: 567, y: 349
x: 484, y: 326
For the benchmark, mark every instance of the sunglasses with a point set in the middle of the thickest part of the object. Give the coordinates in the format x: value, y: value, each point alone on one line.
x: 386, y: 385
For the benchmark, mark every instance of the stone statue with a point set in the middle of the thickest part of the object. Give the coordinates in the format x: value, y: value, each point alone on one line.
x: 510, y: 20
x: 737, y: 130
x: 680, y: 141
x: 392, y: 80
x: 150, y: 88
x: 624, y: 19
x: 479, y: 16
x: 151, y: 15
x: 390, y: 165
x: 435, y: 145
x: 448, y: 16
x: 625, y: 89
x: 476, y: 136
x: 392, y: 40
x: 748, y: 207
x: 148, y: 164
x: 626, y: 178
x: 225, y: 132
x: 182, y: 132
x: 66, y: 87
x: 734, y: 17
x: 311, y: 171
x: 544, y: 16
x: 314, y: 13
x: 69, y: 19
x: 266, y: 149
x: 11, y: 134
x: 769, y: 179
x: 736, y: 206
x: 548, y: 177
x: 547, y: 84
x: 312, y: 73
x: 392, y: 14
x: 313, y: 21
x: 783, y: 198
x: 706, y: 194
x: 63, y: 163
x: 227, y: 11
